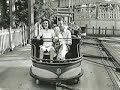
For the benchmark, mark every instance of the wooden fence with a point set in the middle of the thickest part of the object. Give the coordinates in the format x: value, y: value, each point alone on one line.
x: 10, y: 38
x: 103, y: 31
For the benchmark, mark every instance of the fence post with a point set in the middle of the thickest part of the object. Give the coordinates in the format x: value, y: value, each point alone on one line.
x: 23, y: 36
x: 93, y: 29
x: 113, y: 30
x: 102, y: 31
x: 105, y: 30
x: 10, y: 41
x: 99, y: 31
x: 86, y: 29
x: 2, y: 28
x: 1, y: 41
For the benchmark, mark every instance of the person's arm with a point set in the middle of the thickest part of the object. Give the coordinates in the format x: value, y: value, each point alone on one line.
x: 69, y: 40
x: 40, y: 35
x: 40, y: 27
x: 62, y: 41
x: 36, y: 29
x: 53, y: 33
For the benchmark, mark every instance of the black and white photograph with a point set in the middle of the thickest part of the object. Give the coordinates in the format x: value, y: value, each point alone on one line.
x: 59, y: 44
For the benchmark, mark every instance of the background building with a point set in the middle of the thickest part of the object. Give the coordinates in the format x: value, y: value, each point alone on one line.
x: 103, y: 14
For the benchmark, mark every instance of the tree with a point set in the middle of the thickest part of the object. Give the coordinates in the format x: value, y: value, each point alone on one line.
x: 43, y: 10
x: 21, y: 12
x: 5, y: 17
x: 38, y: 10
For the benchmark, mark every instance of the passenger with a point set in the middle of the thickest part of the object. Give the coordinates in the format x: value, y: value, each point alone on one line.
x: 67, y: 39
x: 47, y: 34
x: 58, y: 42
x: 54, y: 25
x: 38, y: 27
x: 65, y: 24
x: 73, y: 28
x: 76, y: 35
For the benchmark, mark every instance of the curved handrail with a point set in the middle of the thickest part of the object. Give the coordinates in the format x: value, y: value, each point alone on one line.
x: 59, y: 38
x: 56, y: 62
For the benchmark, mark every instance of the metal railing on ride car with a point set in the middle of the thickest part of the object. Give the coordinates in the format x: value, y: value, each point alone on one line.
x: 35, y: 55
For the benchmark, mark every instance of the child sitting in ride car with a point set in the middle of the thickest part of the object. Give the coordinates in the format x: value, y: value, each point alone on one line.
x: 58, y: 42
x: 57, y: 39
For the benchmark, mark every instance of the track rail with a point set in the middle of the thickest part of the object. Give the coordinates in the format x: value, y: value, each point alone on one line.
x: 110, y: 63
x: 111, y: 72
x: 60, y: 86
x: 109, y: 54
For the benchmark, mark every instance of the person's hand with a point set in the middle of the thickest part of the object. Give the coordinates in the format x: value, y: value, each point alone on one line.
x: 56, y: 38
x: 38, y: 37
x: 34, y: 37
x: 73, y: 36
x: 68, y: 46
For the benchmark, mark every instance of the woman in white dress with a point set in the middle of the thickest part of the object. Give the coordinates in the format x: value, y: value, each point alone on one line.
x: 47, y: 35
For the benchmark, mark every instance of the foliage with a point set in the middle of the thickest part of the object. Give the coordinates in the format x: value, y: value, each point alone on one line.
x: 43, y: 10
x: 5, y: 17
x: 21, y: 12
x: 38, y: 11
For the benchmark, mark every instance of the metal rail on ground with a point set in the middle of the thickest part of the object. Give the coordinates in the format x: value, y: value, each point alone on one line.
x: 111, y: 72
x: 110, y: 66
